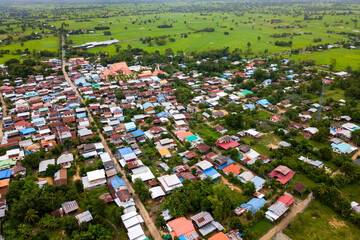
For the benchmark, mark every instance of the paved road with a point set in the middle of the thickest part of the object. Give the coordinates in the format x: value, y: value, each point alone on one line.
x: 299, y: 208
x: 4, y: 115
x: 143, y: 212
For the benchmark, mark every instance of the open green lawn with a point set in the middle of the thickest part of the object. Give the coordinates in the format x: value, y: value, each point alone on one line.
x: 335, y: 94
x: 261, y: 227
x: 352, y: 192
x: 344, y: 58
x: 50, y: 43
x: 321, y: 222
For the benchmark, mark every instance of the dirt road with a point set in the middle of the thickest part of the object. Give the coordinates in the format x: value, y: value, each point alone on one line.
x: 299, y: 208
x: 143, y: 212
x: 4, y: 115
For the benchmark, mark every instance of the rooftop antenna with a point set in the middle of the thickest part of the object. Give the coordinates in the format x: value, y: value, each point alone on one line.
x: 321, y: 102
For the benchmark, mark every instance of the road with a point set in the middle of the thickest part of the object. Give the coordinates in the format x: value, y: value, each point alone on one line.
x: 3, y: 104
x: 283, y: 223
x: 143, y: 212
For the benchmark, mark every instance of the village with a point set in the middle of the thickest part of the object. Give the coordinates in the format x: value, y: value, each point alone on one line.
x: 143, y: 135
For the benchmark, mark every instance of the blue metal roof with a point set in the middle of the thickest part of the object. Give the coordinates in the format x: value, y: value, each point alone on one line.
x: 130, y: 126
x: 125, y: 151
x: 5, y: 174
x: 162, y: 114
x: 254, y: 204
x: 138, y: 133
x: 27, y: 131
x: 210, y: 172
x: 258, y: 181
x: 263, y: 102
x: 117, y: 182
x: 147, y: 104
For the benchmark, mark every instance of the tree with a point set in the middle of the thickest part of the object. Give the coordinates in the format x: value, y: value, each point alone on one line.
x: 249, y: 188
x: 234, y: 121
x: 160, y: 221
x: 24, y: 229
x: 258, y: 38
x: 31, y: 161
x: 355, y: 136
x: 235, y: 223
x: 141, y: 189
x: 248, y: 44
x: 325, y: 153
x: 52, y: 169
x: 31, y: 216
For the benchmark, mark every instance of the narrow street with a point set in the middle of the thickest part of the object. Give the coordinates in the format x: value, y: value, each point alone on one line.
x: 144, y: 213
x: 283, y: 223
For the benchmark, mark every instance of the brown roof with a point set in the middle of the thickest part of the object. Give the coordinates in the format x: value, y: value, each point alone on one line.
x: 299, y: 187
x: 106, y: 197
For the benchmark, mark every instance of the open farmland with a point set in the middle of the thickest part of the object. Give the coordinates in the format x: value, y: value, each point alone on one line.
x: 253, y: 28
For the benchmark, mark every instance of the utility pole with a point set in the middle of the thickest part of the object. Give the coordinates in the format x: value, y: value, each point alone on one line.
x: 321, y: 102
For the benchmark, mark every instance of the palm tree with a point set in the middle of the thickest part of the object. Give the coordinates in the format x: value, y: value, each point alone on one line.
x: 31, y: 215
x: 24, y: 229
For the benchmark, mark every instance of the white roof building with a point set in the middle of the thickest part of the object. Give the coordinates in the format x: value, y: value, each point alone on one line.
x: 169, y: 182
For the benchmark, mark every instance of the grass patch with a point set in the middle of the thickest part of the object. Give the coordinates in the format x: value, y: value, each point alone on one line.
x: 344, y: 58
x: 321, y: 222
x: 260, y: 228
x: 352, y: 192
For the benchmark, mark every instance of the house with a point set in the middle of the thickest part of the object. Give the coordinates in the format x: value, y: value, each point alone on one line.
x: 132, y: 219
x: 157, y: 192
x: 274, y: 119
x: 182, y: 227
x: 169, y: 182
x: 251, y: 133
x: 60, y: 177
x: 258, y: 182
x: 207, y: 170
x: 282, y: 174
x: 299, y: 187
x: 316, y: 163
x: 44, y: 164
x: 130, y: 126
x: 144, y: 173
x: 205, y: 223
x: 84, y: 217
x: 65, y: 160
x: 226, y: 142
x: 94, y: 179
x: 278, y: 209
x: 343, y: 148
x: 203, y: 148
x: 148, y: 108
x: 253, y: 205
x: 309, y: 132
x: 164, y: 152
x: 220, y: 129
x: 246, y: 176
x: 69, y: 207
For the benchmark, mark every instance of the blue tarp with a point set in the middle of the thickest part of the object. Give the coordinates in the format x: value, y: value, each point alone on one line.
x: 5, y: 174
